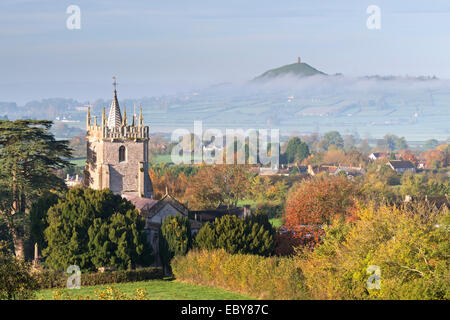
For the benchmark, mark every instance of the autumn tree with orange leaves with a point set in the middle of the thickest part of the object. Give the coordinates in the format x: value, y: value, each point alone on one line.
x: 174, y: 183
x: 217, y: 185
x: 319, y: 200
x: 314, y: 203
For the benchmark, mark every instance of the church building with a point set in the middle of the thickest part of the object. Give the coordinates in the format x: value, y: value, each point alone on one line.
x: 118, y: 159
x: 118, y: 153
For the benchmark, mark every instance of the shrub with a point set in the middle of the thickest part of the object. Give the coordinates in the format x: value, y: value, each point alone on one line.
x: 15, y: 279
x: 109, y: 293
x: 95, y: 228
x: 55, y: 279
x: 175, y: 238
x: 262, y: 277
x: 409, y: 245
x: 271, y: 210
x: 252, y: 235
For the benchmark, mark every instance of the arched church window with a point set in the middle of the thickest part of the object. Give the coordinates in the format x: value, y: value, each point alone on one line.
x: 121, y: 154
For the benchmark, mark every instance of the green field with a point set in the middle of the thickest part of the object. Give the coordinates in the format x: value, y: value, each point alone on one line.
x: 160, y: 158
x: 78, y: 162
x: 156, y: 290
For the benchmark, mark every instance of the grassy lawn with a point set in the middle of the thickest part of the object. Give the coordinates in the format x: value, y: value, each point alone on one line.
x: 243, y: 202
x: 276, y: 222
x: 156, y: 290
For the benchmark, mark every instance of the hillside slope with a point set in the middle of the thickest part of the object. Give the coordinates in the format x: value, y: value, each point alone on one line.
x: 295, y: 69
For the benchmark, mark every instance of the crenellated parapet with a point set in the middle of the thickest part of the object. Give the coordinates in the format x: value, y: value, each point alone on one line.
x: 123, y: 132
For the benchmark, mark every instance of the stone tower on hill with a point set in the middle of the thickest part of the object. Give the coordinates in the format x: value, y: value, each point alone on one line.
x: 117, y: 153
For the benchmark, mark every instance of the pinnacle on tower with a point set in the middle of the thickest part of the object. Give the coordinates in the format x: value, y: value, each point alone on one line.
x: 141, y: 119
x: 124, y: 123
x: 114, y: 118
x: 88, y: 118
x: 103, y: 117
x: 133, y: 124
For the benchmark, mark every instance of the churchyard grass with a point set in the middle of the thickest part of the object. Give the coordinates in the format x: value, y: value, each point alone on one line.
x: 155, y: 289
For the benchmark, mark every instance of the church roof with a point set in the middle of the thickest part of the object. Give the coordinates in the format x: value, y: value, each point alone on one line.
x: 142, y: 204
x: 115, y: 117
x: 150, y: 207
x: 401, y: 164
x: 167, y: 199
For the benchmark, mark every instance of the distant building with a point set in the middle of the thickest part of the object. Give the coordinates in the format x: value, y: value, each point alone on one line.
x: 350, y: 171
x: 335, y: 170
x: 378, y: 155
x: 312, y: 171
x: 401, y: 166
x: 439, y: 202
x: 73, y: 181
x: 210, y: 215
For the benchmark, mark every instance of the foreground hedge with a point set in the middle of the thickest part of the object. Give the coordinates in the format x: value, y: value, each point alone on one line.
x: 53, y: 279
x: 262, y: 277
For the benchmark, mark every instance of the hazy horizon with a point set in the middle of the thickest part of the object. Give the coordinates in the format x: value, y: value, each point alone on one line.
x: 157, y: 48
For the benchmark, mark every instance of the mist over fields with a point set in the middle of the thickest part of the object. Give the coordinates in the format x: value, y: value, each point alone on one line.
x: 416, y: 108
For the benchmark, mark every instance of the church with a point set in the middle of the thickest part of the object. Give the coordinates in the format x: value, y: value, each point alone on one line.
x: 117, y: 153
x: 118, y: 159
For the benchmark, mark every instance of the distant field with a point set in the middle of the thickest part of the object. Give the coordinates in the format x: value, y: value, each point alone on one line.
x: 79, y: 162
x: 160, y: 158
x: 156, y: 290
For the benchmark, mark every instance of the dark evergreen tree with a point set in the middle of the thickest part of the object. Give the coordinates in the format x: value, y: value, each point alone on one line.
x: 175, y: 238
x: 29, y: 156
x: 93, y: 229
x: 38, y: 219
x: 252, y: 235
x: 296, y: 151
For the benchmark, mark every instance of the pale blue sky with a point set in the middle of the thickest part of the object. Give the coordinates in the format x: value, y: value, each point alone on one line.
x: 155, y: 47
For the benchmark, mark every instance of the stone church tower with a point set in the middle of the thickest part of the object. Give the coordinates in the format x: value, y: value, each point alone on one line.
x: 117, y: 153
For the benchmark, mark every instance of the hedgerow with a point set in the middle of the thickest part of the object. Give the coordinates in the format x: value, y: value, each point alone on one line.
x: 55, y: 279
x: 262, y: 277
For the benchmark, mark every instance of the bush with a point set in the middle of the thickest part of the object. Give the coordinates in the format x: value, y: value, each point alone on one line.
x: 252, y: 235
x: 175, y: 238
x: 93, y: 229
x: 261, y: 277
x: 271, y: 210
x: 409, y: 245
x: 16, y: 283
x: 109, y: 293
x: 55, y: 279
